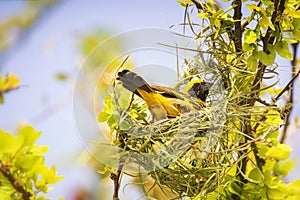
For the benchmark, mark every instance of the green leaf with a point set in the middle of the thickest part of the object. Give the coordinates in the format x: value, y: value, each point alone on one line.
x: 29, y: 162
x: 280, y: 152
x: 267, y: 178
x: 286, y: 167
x: 203, y: 15
x: 8, y: 142
x: 270, y: 164
x: 49, y: 175
x: 234, y: 188
x: 124, y: 100
x: 277, y: 193
x: 295, y: 14
x: 283, y: 50
x: 267, y: 2
x: 252, y: 63
x: 113, y: 121
x: 108, y: 105
x: 256, y: 175
x: 126, y: 125
x: 5, y: 192
x: 185, y: 3
x: 103, y: 116
x: 29, y: 135
x: 273, y: 117
x: 296, y: 30
x: 296, y: 34
x: 232, y: 171
x: 1, y: 98
x: 296, y: 24
x: 40, y: 198
x: 294, y: 188
x: 262, y: 149
x: 41, y: 185
x: 38, y: 150
x: 265, y: 23
x: 248, y: 47
x: 250, y: 36
x: 251, y: 6
x: 61, y: 76
x: 266, y: 59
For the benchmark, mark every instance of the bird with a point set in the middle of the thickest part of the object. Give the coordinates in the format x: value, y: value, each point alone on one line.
x: 164, y: 102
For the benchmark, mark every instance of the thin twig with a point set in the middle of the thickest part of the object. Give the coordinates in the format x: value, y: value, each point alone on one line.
x: 263, y: 102
x: 246, y: 23
x: 5, y: 170
x: 116, y: 177
x: 199, y: 5
x: 291, y: 96
x: 287, y: 87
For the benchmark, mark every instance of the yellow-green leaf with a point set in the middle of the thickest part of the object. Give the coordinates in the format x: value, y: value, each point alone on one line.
x: 103, y: 116
x: 8, y: 142
x: 234, y: 188
x: 283, y: 50
x: 250, y: 36
x: 280, y: 152
x: 9, y: 83
x: 203, y: 15
x: 296, y: 30
x: 274, y: 117
x: 251, y: 6
x: 286, y: 167
x: 266, y: 59
x: 267, y: 178
x: 185, y: 3
x: 252, y: 63
x: 29, y: 135
x: 265, y: 22
x: 294, y: 187
x: 61, y: 76
x: 256, y: 175
x: 296, y: 34
x: 277, y: 193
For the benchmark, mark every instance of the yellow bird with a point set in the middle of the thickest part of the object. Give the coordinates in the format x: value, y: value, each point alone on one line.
x: 162, y: 101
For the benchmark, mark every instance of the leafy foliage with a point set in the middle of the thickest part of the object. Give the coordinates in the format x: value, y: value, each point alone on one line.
x: 11, y: 82
x: 23, y: 173
x: 250, y: 161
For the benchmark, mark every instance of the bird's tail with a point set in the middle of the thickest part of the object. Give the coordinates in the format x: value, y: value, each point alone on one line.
x: 132, y: 82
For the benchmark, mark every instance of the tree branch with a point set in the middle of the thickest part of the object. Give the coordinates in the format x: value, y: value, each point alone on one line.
x: 279, y: 7
x: 5, y: 170
x: 237, y: 16
x: 246, y: 23
x: 115, y: 177
x: 291, y: 96
x: 267, y: 40
x: 198, y: 5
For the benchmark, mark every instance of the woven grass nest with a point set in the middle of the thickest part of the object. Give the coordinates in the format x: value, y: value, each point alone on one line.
x: 181, y: 153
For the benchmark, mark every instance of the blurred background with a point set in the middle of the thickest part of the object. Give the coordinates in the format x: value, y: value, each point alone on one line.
x: 45, y: 43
